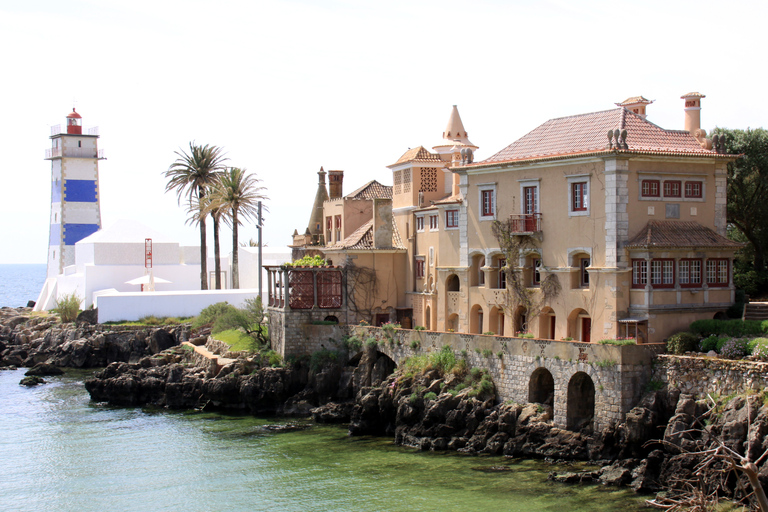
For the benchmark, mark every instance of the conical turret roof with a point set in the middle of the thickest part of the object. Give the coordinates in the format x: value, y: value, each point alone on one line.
x: 455, y: 134
x: 316, y: 217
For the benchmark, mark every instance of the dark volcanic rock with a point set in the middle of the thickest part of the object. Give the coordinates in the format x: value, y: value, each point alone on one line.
x: 89, y: 316
x: 31, y: 381
x: 44, y: 370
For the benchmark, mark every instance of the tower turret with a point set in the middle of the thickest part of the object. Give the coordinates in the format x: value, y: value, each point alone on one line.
x: 75, y: 208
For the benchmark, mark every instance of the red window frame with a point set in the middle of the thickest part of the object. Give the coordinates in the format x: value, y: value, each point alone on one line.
x: 578, y: 196
x: 452, y: 218
x: 583, y: 273
x: 486, y: 208
x: 639, y: 273
x: 718, y: 272
x: 419, y: 266
x: 689, y: 272
x: 329, y: 223
x: 693, y: 189
x: 530, y: 200
x: 672, y: 188
x: 433, y: 223
x: 662, y: 273
x: 337, y: 221
x: 650, y: 188
x: 536, y: 274
x: 420, y: 223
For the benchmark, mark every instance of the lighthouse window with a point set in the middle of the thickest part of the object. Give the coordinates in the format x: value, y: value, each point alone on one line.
x: 79, y: 143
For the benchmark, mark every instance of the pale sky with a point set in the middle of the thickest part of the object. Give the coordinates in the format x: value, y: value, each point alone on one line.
x: 289, y: 86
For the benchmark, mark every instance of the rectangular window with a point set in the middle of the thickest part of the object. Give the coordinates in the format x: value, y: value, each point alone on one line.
x: 452, y: 218
x: 650, y: 188
x: 663, y: 273
x: 717, y: 272
x: 689, y: 273
x: 502, y: 274
x: 579, y: 196
x: 536, y: 263
x: 487, y: 206
x: 329, y: 223
x: 693, y: 189
x: 420, y: 223
x: 530, y: 200
x: 671, y: 189
x: 584, y: 275
x: 337, y: 220
x: 433, y: 223
x: 639, y: 273
x: 419, y: 267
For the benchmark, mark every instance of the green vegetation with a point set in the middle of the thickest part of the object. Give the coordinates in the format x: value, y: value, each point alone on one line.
x: 487, y: 352
x: 237, y: 340
x: 308, y: 261
x: 324, y: 322
x: 732, y: 328
x: 419, y: 328
x: 322, y: 358
x: 606, y: 363
x: 249, y: 321
x: 371, y: 342
x: 353, y: 343
x: 415, y: 344
x: 682, y: 342
x: 430, y: 396
x: 68, y: 306
x: 489, y: 333
x: 654, y: 385
x: 619, y: 341
x: 500, y: 354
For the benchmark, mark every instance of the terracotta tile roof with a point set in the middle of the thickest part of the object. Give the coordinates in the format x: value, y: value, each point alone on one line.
x: 371, y: 190
x: 419, y: 154
x: 587, y: 134
x: 678, y: 234
x: 362, y: 238
x: 634, y: 100
x: 450, y: 199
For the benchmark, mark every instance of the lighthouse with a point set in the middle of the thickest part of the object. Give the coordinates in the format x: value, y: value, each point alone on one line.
x: 75, y: 209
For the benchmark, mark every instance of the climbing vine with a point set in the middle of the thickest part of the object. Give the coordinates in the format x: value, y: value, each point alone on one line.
x: 517, y: 294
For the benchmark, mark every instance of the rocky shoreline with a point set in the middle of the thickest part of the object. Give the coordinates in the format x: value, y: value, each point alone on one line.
x: 661, y: 446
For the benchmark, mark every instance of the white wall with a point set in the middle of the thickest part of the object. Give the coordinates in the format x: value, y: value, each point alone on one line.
x: 114, y: 307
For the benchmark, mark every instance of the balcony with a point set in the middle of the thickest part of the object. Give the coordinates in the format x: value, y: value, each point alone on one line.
x: 525, y: 224
x: 62, y: 129
x: 52, y: 153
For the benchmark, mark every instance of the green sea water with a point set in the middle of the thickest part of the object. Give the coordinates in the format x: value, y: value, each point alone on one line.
x: 59, y: 451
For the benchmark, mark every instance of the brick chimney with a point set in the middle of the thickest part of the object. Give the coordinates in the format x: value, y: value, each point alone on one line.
x: 636, y: 104
x: 335, y: 180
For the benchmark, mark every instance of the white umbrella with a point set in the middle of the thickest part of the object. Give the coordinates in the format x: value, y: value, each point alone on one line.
x: 145, y: 279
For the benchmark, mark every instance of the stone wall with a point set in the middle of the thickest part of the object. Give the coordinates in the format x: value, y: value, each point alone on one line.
x: 699, y: 375
x: 292, y: 332
x: 619, y: 374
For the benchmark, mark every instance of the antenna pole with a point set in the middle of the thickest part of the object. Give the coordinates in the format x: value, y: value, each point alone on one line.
x: 258, y: 225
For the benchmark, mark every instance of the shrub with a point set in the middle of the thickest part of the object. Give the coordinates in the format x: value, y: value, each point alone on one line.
x: 308, y: 261
x: 753, y: 343
x: 682, y: 342
x: 371, y: 342
x: 209, y: 315
x: 489, y: 333
x: 353, y: 343
x: 619, y: 341
x: 68, y: 306
x: 443, y: 360
x: 419, y: 328
x: 487, y: 353
x: 322, y: 358
x: 232, y: 319
x: 734, y: 348
x: 712, y: 342
x: 430, y: 396
x: 732, y: 328
x: 760, y: 349
x: 415, y: 344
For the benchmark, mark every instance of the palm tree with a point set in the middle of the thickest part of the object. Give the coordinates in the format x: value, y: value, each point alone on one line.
x: 239, y: 194
x: 200, y: 209
x: 190, y: 176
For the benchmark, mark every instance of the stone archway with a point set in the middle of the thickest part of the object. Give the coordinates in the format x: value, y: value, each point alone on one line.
x: 541, y: 387
x: 476, y: 319
x: 581, y: 402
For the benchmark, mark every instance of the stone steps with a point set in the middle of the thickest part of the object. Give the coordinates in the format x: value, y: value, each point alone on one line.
x: 756, y: 311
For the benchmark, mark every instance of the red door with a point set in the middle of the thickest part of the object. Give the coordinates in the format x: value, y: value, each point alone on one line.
x: 586, y: 328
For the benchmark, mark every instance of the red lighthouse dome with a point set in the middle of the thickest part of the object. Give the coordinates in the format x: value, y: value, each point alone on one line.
x: 74, y: 123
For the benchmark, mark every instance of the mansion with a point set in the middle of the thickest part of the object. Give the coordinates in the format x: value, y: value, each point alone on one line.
x: 593, y: 226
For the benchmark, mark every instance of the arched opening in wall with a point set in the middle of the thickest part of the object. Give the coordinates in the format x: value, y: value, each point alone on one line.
x: 476, y: 274
x: 381, y: 369
x: 496, y: 321
x: 547, y: 323
x: 428, y: 318
x: 452, y: 283
x: 720, y: 315
x: 332, y: 319
x: 476, y: 319
x: 580, y: 325
x: 453, y: 323
x: 521, y: 320
x: 581, y: 402
x: 541, y: 387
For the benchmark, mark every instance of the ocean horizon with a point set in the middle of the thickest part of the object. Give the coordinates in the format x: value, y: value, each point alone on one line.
x: 20, y: 283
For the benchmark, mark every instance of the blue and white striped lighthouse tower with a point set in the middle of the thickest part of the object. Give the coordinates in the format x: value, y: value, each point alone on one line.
x: 75, y: 209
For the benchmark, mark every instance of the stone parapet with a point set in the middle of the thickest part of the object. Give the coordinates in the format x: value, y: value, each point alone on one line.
x: 700, y: 375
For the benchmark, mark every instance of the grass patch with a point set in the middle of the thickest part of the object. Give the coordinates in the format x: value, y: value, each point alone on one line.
x: 619, y: 341
x: 237, y: 340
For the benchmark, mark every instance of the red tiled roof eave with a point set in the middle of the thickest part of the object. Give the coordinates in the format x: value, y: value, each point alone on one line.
x: 671, y: 234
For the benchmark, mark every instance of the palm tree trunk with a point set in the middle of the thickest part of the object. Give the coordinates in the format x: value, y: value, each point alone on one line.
x: 216, y: 251
x: 203, y: 247
x: 235, y: 249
